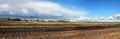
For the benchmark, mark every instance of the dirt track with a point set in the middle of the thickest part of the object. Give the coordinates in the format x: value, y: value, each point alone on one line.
x: 91, y: 32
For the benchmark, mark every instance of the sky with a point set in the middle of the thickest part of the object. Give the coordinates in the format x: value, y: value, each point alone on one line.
x: 73, y: 10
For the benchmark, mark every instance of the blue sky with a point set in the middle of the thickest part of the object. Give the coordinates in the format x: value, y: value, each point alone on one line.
x: 74, y: 10
x: 94, y: 7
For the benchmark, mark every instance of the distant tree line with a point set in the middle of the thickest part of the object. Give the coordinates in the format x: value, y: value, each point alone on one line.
x: 18, y: 19
x: 15, y: 19
x: 63, y: 21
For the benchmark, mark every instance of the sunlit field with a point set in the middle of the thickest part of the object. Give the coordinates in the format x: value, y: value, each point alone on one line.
x: 59, y: 30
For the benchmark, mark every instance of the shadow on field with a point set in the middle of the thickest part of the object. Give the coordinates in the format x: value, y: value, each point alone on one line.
x: 53, y: 29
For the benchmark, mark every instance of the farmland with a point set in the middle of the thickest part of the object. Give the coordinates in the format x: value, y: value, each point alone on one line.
x: 59, y: 30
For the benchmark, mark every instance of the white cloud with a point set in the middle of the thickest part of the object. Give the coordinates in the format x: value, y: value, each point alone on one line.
x: 4, y: 7
x: 12, y: 13
x: 110, y: 18
x: 50, y: 8
x: 102, y: 18
x: 94, y: 19
x: 117, y: 16
x: 25, y: 11
x: 84, y: 18
x: 30, y: 7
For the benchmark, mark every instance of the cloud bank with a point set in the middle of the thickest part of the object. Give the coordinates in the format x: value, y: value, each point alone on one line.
x: 44, y: 9
x: 40, y: 9
x: 117, y: 16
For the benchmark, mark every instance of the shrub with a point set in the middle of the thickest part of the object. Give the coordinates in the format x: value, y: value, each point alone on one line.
x: 16, y: 19
x: 63, y: 21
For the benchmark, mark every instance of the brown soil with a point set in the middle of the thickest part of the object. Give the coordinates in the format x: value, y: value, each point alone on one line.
x: 67, y: 31
x: 61, y: 33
